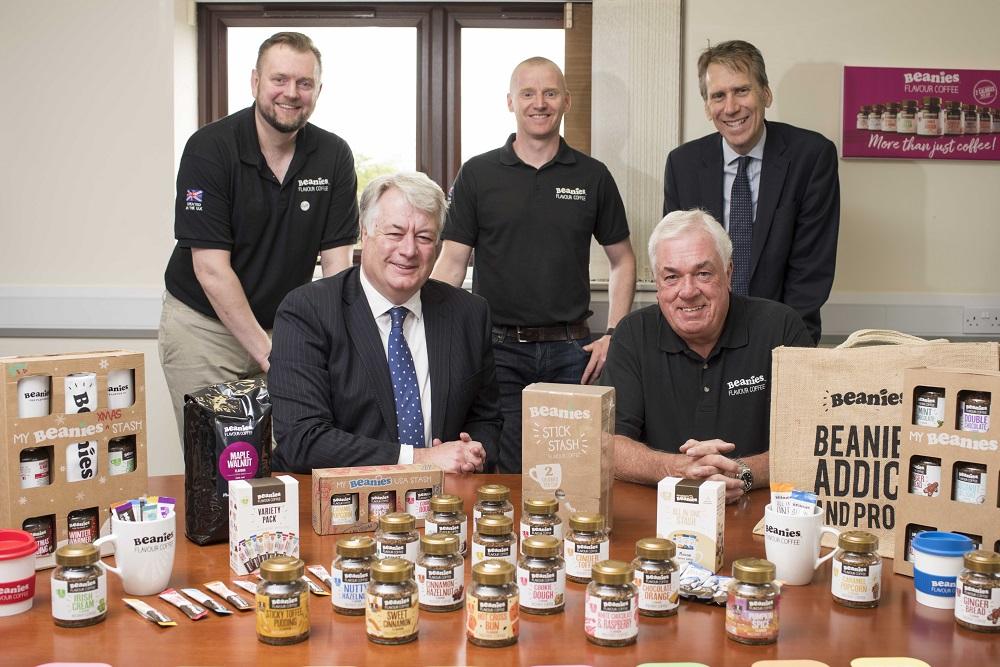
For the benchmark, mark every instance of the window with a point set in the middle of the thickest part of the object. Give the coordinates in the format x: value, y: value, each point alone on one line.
x: 409, y: 86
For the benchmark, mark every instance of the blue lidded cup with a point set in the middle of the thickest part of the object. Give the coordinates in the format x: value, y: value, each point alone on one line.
x: 937, y: 562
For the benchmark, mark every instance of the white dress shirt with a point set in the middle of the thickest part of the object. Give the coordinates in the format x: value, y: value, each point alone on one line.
x: 730, y: 165
x: 416, y: 339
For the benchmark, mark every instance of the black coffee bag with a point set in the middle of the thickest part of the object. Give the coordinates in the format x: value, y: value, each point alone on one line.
x: 227, y: 436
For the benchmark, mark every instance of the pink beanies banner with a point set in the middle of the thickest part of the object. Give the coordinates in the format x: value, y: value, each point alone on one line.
x: 921, y: 113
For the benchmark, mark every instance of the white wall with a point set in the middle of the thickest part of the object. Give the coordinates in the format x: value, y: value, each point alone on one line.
x: 906, y: 226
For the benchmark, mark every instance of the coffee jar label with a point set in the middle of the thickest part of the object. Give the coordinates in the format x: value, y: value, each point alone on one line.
x: 611, y: 618
x: 856, y: 583
x: 580, y: 558
x: 280, y: 616
x: 658, y: 591
x: 79, y: 600
x: 752, y: 618
x: 977, y: 605
x: 391, y: 618
x: 490, y: 619
x: 349, y: 588
x: 440, y: 586
x: 542, y: 589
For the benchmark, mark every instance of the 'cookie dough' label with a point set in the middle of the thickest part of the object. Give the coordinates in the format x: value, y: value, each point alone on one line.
x: 391, y: 618
x: 491, y: 619
x: 580, y: 558
x: 658, y: 591
x: 440, y: 586
x: 541, y: 589
x: 283, y: 615
x: 977, y: 605
x: 349, y: 588
x: 611, y: 618
x: 857, y: 583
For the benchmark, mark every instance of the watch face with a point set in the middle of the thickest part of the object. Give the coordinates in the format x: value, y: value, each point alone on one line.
x: 746, y: 477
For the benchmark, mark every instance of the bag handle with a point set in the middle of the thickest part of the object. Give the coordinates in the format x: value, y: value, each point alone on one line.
x: 863, y: 337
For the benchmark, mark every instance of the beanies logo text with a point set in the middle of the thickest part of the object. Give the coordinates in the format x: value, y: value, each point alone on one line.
x: 574, y: 194
x: 881, y: 398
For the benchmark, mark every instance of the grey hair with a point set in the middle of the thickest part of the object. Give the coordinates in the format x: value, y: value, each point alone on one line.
x: 417, y: 189
x: 676, y: 223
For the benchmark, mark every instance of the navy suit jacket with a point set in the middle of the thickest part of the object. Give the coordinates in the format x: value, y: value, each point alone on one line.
x: 332, y: 400
x: 795, y: 232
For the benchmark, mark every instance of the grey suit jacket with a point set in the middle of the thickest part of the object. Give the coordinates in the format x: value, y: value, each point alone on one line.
x: 794, y: 251
x: 329, y: 381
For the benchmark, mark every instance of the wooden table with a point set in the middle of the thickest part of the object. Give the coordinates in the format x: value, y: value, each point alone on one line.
x: 812, y: 625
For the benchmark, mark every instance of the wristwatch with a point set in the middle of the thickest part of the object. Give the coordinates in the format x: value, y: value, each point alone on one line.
x: 745, y: 475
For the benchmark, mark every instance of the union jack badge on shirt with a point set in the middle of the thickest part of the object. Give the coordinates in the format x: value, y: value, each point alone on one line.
x: 195, y: 196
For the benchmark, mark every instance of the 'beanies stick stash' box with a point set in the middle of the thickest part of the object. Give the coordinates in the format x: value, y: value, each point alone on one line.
x: 263, y: 521
x: 567, y: 446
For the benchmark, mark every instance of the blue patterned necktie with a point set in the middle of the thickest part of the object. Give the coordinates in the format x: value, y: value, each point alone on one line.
x: 409, y: 417
x: 741, y: 227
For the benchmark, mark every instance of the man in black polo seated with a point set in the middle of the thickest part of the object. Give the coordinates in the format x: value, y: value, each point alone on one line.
x: 693, y: 373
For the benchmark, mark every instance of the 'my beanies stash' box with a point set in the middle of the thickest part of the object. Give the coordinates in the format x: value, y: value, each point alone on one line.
x: 567, y: 446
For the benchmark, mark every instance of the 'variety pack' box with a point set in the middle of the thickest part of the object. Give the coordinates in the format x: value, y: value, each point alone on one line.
x: 263, y: 521
x: 567, y: 446
x: 692, y: 513
x: 350, y: 500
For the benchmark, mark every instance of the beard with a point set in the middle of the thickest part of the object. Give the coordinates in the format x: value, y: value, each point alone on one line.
x: 271, y: 117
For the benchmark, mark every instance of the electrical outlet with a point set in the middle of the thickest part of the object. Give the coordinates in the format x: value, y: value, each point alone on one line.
x: 981, y: 321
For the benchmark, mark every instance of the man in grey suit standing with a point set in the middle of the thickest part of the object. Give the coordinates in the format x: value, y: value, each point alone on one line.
x: 379, y: 365
x: 774, y: 186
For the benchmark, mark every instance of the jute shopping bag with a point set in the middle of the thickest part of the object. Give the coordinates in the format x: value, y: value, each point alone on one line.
x: 836, y: 417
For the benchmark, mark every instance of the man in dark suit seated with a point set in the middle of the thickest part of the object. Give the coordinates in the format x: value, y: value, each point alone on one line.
x: 379, y: 365
x: 773, y: 186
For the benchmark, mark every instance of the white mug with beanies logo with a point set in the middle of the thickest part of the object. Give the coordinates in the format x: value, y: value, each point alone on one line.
x: 792, y: 544
x: 144, y: 553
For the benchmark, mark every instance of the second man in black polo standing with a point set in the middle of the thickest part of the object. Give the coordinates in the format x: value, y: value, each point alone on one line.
x: 529, y: 209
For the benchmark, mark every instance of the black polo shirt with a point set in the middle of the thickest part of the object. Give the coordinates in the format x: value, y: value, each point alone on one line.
x: 228, y: 199
x: 667, y: 394
x: 531, y: 229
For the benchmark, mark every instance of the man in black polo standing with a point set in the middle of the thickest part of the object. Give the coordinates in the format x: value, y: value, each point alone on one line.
x: 260, y: 194
x: 692, y: 373
x: 529, y: 209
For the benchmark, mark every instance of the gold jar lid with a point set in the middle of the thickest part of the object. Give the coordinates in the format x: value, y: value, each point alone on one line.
x: 396, y: 522
x: 985, y: 562
x: 446, y: 502
x: 392, y: 570
x: 359, y: 546
x: 655, y: 548
x: 493, y: 573
x: 857, y: 541
x: 282, y: 569
x: 493, y: 492
x: 613, y: 572
x: 753, y: 570
x: 495, y: 524
x: 541, y: 506
x: 541, y: 546
x: 586, y: 522
x: 74, y: 555
x: 440, y: 544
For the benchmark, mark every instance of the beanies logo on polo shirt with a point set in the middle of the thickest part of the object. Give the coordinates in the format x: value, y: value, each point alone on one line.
x: 314, y: 185
x: 574, y: 194
x: 747, y: 385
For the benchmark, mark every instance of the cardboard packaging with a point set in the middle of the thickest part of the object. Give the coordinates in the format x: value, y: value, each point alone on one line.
x: 72, y: 445
x: 567, y: 447
x: 692, y: 513
x: 350, y: 500
x: 263, y: 521
x: 952, y: 447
